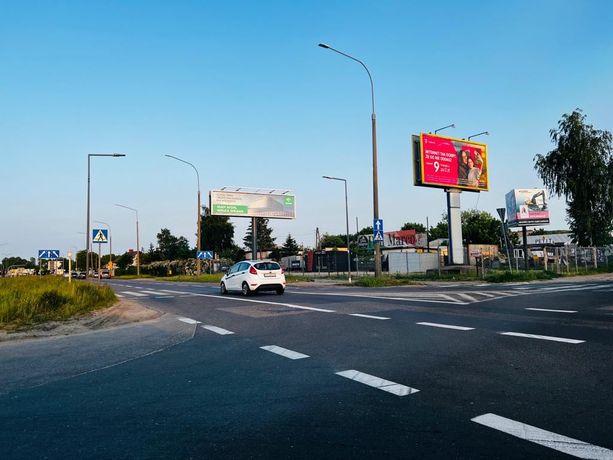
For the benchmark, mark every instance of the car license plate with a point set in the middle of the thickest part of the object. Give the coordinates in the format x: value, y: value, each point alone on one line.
x: 269, y: 275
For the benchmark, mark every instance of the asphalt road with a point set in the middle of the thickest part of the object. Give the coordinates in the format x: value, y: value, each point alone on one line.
x: 447, y: 371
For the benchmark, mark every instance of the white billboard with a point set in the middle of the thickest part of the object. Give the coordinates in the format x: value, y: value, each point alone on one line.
x: 527, y: 206
x: 252, y: 204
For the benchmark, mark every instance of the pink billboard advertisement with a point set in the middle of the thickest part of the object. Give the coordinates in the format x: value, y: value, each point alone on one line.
x: 453, y: 163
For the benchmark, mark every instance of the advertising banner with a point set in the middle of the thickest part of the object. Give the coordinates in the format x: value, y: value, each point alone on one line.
x: 251, y: 204
x: 450, y: 163
x: 527, y: 206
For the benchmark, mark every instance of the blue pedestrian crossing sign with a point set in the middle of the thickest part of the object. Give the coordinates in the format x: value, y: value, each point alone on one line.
x: 377, y: 230
x: 100, y: 235
x: 205, y: 255
x: 48, y: 254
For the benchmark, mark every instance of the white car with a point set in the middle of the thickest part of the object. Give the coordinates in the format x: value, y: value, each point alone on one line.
x: 252, y: 276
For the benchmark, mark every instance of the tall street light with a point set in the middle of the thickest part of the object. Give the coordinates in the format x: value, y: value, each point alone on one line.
x: 199, y: 217
x: 346, y: 221
x: 110, y: 242
x: 87, y: 235
x: 375, y: 184
x: 484, y: 133
x: 137, y: 238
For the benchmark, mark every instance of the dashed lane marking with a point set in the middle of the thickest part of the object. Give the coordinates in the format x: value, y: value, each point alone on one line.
x: 119, y: 295
x: 551, y: 310
x: 188, y: 320
x: 284, y: 352
x: 415, y: 298
x: 545, y: 438
x: 543, y: 337
x: 377, y: 382
x: 216, y: 330
x: 447, y: 326
x: 367, y: 316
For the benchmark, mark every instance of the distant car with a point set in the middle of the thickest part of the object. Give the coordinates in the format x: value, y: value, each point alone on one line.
x: 105, y: 274
x: 252, y: 276
x: 81, y: 275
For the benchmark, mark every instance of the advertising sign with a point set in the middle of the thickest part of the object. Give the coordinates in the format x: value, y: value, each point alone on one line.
x: 252, y: 204
x: 446, y: 162
x: 527, y: 206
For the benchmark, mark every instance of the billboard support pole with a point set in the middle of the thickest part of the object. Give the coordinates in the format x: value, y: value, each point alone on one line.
x: 254, y: 235
x: 525, y: 236
x: 454, y: 221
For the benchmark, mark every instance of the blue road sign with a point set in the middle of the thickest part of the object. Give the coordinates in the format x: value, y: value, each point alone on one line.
x: 100, y: 235
x: 377, y: 226
x: 205, y: 255
x: 48, y: 254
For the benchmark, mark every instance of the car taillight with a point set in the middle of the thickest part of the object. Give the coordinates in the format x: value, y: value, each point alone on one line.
x: 252, y: 270
x: 282, y: 271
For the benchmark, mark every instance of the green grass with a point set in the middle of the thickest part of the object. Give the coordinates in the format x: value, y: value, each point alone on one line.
x: 29, y: 300
x: 507, y: 277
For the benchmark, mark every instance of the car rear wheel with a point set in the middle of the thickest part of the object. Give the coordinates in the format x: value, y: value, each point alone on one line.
x: 280, y: 291
x: 222, y: 289
x: 245, y: 289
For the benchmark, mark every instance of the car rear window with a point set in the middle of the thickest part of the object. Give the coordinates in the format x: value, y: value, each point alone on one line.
x: 267, y: 266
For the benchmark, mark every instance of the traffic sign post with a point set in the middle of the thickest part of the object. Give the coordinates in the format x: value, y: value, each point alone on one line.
x: 100, y: 235
x: 378, y: 230
x: 205, y: 255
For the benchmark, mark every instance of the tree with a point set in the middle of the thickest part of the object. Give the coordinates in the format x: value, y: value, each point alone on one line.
x: 440, y: 230
x: 290, y: 247
x: 333, y: 241
x: 171, y: 247
x: 10, y: 261
x: 580, y: 168
x: 419, y: 228
x: 124, y: 260
x: 265, y: 241
x: 217, y: 233
x: 480, y: 227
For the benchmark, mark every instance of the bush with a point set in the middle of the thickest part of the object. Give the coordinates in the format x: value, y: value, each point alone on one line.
x: 29, y: 300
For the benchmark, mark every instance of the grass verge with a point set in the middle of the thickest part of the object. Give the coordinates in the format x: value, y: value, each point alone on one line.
x: 29, y: 300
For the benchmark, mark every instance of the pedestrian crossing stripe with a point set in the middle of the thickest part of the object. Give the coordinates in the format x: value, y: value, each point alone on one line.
x: 100, y: 237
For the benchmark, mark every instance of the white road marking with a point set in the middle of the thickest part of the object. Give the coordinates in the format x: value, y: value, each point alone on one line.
x: 290, y: 305
x: 367, y: 316
x: 482, y: 285
x: 164, y: 296
x: 584, y: 288
x: 545, y: 438
x: 175, y: 292
x: 148, y: 291
x: 507, y: 294
x: 284, y: 352
x: 188, y: 320
x: 543, y: 337
x: 119, y: 295
x: 447, y: 326
x: 551, y: 310
x: 466, y: 296
x: 135, y: 294
x: 485, y: 294
x: 376, y: 382
x: 404, y: 299
x: 217, y: 330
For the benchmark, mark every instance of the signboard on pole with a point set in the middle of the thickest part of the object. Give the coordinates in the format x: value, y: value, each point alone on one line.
x: 252, y: 204
x: 100, y: 235
x: 526, y: 207
x: 48, y: 254
x: 205, y: 255
x: 377, y: 229
x: 446, y: 162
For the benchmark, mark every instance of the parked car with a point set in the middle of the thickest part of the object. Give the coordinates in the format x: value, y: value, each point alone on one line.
x: 81, y: 275
x: 252, y: 276
x: 105, y: 273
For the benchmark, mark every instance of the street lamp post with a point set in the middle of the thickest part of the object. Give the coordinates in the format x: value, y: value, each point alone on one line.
x: 199, y: 216
x: 346, y: 222
x: 110, y: 242
x: 483, y: 133
x: 87, y: 235
x: 137, y: 238
x: 452, y: 125
x: 375, y: 185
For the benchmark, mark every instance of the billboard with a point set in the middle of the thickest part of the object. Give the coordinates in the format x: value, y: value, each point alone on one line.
x: 252, y: 204
x: 446, y: 162
x: 527, y: 206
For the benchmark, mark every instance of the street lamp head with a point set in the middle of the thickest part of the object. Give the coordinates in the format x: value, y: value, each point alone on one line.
x: 119, y: 155
x: 323, y: 45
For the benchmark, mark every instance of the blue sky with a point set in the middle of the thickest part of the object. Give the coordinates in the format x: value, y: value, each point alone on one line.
x: 241, y: 90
